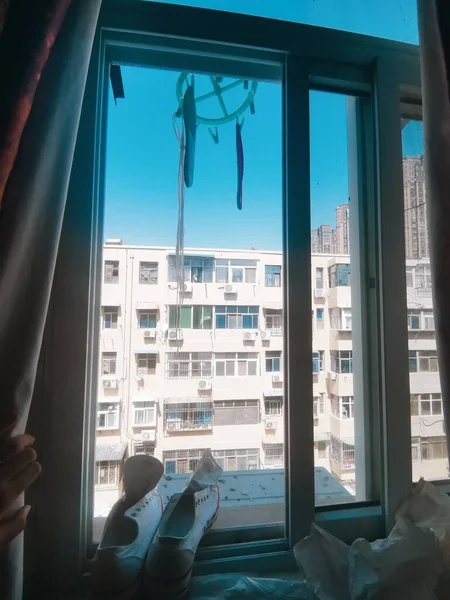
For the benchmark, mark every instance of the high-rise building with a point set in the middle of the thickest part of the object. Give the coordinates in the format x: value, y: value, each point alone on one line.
x: 416, y: 225
x: 343, y: 229
x: 323, y: 240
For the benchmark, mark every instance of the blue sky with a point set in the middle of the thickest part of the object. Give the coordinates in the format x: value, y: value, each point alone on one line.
x: 142, y: 150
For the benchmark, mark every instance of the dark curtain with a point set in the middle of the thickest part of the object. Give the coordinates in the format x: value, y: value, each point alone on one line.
x: 45, y: 47
x: 434, y: 29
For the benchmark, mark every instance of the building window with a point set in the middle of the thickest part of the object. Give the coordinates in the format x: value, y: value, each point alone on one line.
x: 318, y: 406
x: 274, y: 322
x: 111, y: 271
x: 420, y: 320
x: 423, y: 361
x: 146, y: 364
x: 342, y: 407
x: 148, y: 273
x: 428, y: 321
x: 236, y: 364
x: 339, y: 275
x: 144, y: 448
x: 107, y: 415
x: 144, y: 413
x: 109, y: 363
x: 110, y: 317
x: 341, y: 361
x: 188, y: 416
x: 273, y: 275
x: 317, y: 361
x: 423, y: 276
x: 246, y: 459
x: 341, y: 319
x: 197, y: 269
x: 433, y: 448
x: 273, y: 407
x: 273, y: 361
x: 413, y: 320
x: 273, y: 456
x: 181, y: 461
x: 188, y: 365
x: 321, y: 449
x: 235, y: 270
x: 319, y: 278
x: 147, y: 320
x: 319, y: 318
x: 237, y: 317
x: 195, y: 317
x: 107, y: 474
x: 341, y: 453
x: 236, y: 412
x: 426, y: 405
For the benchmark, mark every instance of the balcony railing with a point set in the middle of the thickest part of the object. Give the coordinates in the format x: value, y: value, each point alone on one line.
x: 178, y: 418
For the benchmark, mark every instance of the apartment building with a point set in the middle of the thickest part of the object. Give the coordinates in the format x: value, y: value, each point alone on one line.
x: 174, y: 381
x: 342, y: 245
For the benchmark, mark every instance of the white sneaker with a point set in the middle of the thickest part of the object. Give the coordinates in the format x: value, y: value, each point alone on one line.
x: 129, y: 528
x: 187, y: 517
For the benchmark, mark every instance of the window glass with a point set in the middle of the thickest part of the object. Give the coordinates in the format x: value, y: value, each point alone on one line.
x: 219, y: 354
x: 426, y: 408
x: 335, y: 399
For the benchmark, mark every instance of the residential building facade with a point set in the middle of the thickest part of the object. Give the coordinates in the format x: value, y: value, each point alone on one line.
x: 176, y: 379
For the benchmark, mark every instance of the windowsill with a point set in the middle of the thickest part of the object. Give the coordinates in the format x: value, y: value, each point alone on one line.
x: 246, y: 497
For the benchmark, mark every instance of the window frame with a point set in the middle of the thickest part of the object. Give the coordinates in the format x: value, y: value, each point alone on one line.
x: 152, y: 280
x: 110, y: 267
x: 138, y: 406
x: 322, y: 59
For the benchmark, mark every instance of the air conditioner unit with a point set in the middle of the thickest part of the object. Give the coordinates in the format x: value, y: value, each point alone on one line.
x: 332, y: 375
x: 320, y: 293
x: 249, y: 336
x: 150, y: 334
x: 188, y: 287
x: 277, y: 378
x: 175, y: 334
x: 148, y: 435
x: 230, y: 289
x: 110, y: 383
x: 270, y: 425
x: 204, y: 384
x: 264, y: 335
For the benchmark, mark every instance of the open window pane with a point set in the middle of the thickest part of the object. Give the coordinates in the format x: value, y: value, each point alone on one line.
x: 334, y: 288
x: 427, y: 421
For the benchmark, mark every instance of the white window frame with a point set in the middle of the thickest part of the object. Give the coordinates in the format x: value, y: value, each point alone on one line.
x: 112, y: 269
x: 272, y: 279
x: 246, y: 266
x: 148, y: 272
x: 273, y: 407
x: 148, y: 314
x: 270, y: 358
x: 146, y: 364
x: 229, y: 458
x: 144, y: 406
x: 317, y: 361
x: 422, y: 400
x: 189, y: 365
x: 112, y: 417
x: 111, y: 316
x: 113, y: 470
x: 235, y: 361
x: 109, y: 363
x: 343, y: 62
x: 421, y: 358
